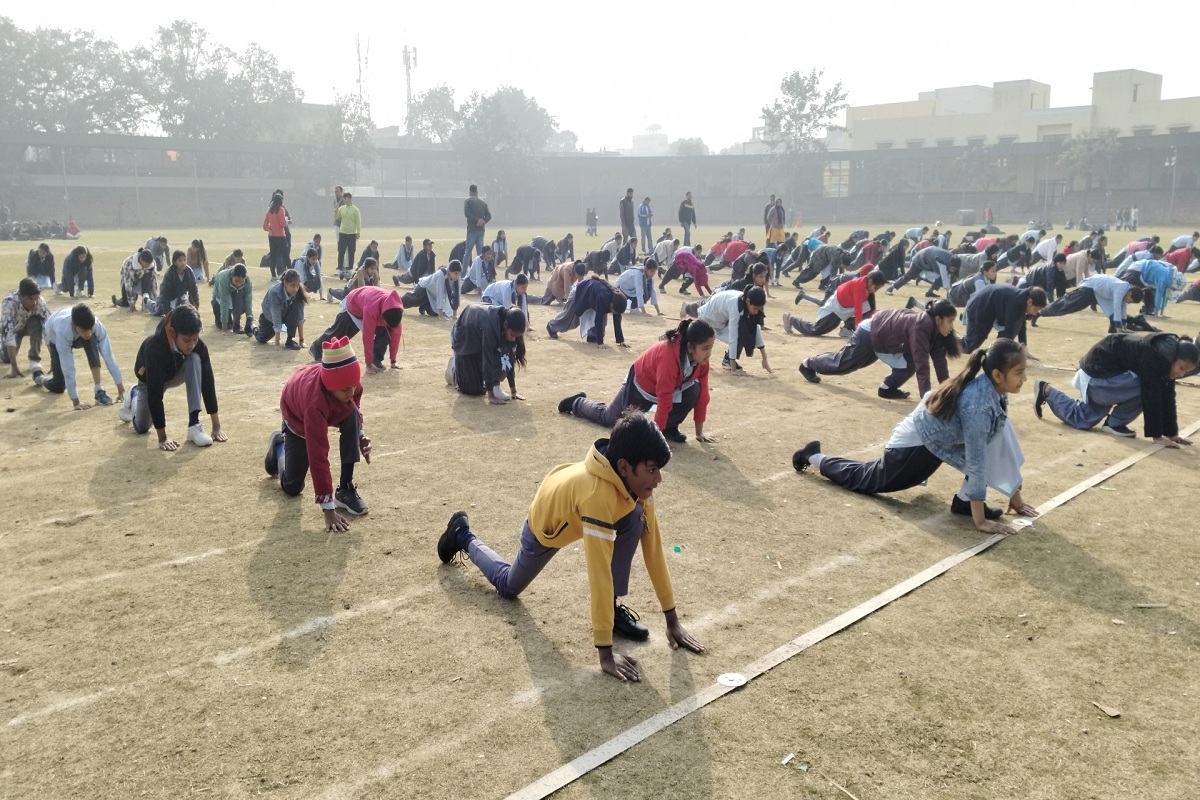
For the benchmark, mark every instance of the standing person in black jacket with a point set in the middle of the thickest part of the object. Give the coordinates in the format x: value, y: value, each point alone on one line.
x: 172, y: 355
x: 687, y: 218
x: 625, y: 214
x: 1124, y: 375
x: 1008, y: 305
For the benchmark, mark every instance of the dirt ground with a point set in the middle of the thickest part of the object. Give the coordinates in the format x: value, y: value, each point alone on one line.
x: 173, y: 626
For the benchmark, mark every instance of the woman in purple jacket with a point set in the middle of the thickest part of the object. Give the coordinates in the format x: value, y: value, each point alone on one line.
x: 904, y: 339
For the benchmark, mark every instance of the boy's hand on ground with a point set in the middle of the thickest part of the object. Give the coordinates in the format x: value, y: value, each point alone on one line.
x: 82, y: 406
x: 678, y: 637
x: 1021, y: 508
x: 518, y: 396
x: 364, y: 447
x: 218, y: 435
x: 335, y: 521
x: 168, y: 446
x: 621, y: 667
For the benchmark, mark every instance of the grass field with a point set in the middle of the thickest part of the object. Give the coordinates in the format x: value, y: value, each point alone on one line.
x: 173, y: 626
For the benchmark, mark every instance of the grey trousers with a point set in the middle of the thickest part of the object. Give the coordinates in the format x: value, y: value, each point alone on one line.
x: 566, y: 319
x: 32, y: 331
x: 1119, y: 398
x: 188, y: 375
x: 512, y: 579
x: 607, y: 414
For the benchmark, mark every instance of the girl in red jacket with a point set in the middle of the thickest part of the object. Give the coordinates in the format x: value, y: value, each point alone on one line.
x: 855, y: 298
x: 672, y: 375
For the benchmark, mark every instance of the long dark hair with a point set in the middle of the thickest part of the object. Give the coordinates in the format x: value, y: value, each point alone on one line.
x: 940, y: 309
x: 293, y: 276
x: 689, y: 331
x: 276, y: 204
x: 1002, y: 355
x: 512, y: 318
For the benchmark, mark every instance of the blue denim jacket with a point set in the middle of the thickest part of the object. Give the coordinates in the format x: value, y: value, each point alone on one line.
x: 962, y: 440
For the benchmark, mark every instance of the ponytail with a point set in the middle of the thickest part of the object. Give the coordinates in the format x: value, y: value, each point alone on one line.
x: 942, y: 309
x: 293, y: 276
x: 689, y: 331
x: 512, y: 318
x: 1002, y: 355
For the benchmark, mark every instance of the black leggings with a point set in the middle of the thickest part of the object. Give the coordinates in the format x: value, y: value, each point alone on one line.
x: 899, y: 468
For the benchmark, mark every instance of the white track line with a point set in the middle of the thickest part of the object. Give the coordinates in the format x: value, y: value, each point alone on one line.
x: 553, y: 781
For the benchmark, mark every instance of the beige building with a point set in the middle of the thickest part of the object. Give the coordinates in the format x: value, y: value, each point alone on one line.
x: 1128, y: 102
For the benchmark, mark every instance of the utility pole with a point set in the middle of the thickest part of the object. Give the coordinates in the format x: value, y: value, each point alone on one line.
x: 1174, y: 168
x: 410, y: 63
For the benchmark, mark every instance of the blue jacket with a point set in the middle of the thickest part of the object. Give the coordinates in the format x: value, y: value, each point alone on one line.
x: 1157, y: 275
x: 961, y: 441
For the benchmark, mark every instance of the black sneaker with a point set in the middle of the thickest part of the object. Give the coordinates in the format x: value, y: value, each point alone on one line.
x: 349, y: 500
x: 963, y: 507
x: 1120, y: 430
x: 447, y: 546
x: 809, y: 374
x: 684, y: 291
x: 801, y: 456
x: 291, y: 344
x: 314, y: 350
x: 568, y: 403
x: 626, y: 625
x: 890, y: 393
x: 271, y: 461
x: 550, y: 332
x: 1039, y: 397
x: 378, y: 365
x: 913, y: 303
x: 674, y: 435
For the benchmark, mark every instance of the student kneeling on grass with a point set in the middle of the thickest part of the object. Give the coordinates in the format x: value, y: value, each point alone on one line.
x: 23, y: 315
x: 283, y: 312
x: 488, y: 344
x: 1121, y: 376
x: 672, y: 375
x: 607, y: 500
x: 139, y: 280
x: 509, y: 293
x: 376, y: 312
x: 963, y: 423
x: 178, y: 287
x: 316, y: 398
x: 437, y: 294
x: 233, y: 298
x: 172, y: 355
x: 77, y: 328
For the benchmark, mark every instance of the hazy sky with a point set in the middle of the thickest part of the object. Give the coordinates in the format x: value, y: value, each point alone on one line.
x: 695, y: 67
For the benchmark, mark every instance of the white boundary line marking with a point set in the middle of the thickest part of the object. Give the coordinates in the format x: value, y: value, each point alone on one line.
x: 564, y: 775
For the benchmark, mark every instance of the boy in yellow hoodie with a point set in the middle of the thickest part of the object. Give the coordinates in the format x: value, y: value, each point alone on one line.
x: 607, y: 500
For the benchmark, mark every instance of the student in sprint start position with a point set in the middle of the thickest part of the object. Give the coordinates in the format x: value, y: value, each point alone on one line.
x: 172, y: 355
x: 76, y: 328
x: 316, y: 398
x: 607, y: 500
x: 963, y: 423
x: 672, y: 375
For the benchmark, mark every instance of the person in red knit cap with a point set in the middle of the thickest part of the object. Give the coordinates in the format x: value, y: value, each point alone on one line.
x: 316, y: 398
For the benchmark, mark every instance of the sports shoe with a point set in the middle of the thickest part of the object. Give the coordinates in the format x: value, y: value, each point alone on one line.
x: 963, y: 507
x: 291, y: 344
x: 912, y: 303
x: 890, y: 393
x: 809, y: 373
x: 125, y: 410
x: 550, y: 331
x: 626, y: 624
x: 1120, y: 430
x: 567, y: 404
x: 314, y: 350
x: 787, y: 323
x: 271, y: 459
x: 114, y: 300
x: 39, y: 377
x: 349, y: 500
x: 889, y: 291
x: 1039, y: 397
x: 845, y: 332
x: 686, y: 292
x: 198, y: 437
x: 800, y: 457
x: 378, y: 365
x: 448, y: 546
x: 449, y: 375
x: 683, y: 314
x: 102, y: 398
x: 673, y: 434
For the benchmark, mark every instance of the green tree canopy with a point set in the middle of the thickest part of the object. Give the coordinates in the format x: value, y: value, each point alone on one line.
x: 796, y: 121
x: 433, y: 116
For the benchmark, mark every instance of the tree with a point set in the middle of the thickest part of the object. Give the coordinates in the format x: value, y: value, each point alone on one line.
x: 563, y: 142
x: 795, y: 122
x: 433, y: 116
x: 500, y: 136
x: 1089, y: 155
x: 688, y: 147
x: 204, y: 90
x: 67, y: 81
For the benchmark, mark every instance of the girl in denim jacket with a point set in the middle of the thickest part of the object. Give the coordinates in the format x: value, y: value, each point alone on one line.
x: 963, y: 423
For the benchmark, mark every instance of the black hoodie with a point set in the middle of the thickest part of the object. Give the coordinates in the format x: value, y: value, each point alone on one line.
x: 156, y: 364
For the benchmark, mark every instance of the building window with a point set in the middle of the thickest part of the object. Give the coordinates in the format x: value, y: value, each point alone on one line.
x: 883, y: 145
x: 1143, y: 131
x: 945, y: 143
x: 1055, y: 137
x: 975, y: 141
x: 1179, y: 128
x: 1007, y: 140
x: 913, y: 144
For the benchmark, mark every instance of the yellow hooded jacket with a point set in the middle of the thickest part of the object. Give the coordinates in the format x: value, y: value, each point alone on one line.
x: 585, y: 500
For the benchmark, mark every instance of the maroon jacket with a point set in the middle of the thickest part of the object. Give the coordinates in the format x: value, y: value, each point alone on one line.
x: 900, y: 330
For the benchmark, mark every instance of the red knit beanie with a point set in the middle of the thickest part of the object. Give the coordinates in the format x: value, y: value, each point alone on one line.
x: 339, y: 365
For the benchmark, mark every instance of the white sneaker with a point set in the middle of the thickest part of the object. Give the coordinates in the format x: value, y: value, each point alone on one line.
x: 125, y: 410
x: 450, y: 372
x: 198, y: 437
